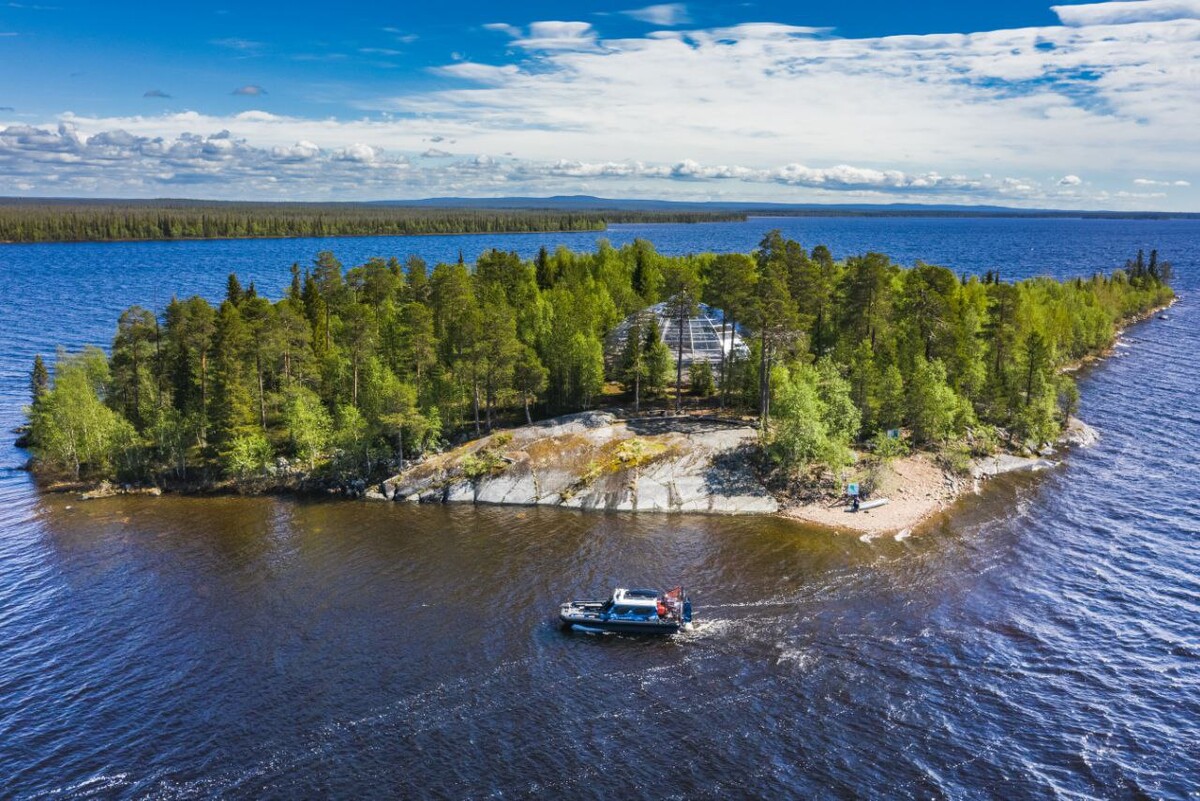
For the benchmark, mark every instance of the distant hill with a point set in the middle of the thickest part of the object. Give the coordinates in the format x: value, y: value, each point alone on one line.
x: 581, y: 203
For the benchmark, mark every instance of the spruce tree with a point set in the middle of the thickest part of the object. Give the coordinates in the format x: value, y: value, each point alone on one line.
x: 39, y: 379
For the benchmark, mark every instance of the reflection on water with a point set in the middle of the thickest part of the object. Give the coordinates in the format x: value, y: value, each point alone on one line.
x: 1042, y: 641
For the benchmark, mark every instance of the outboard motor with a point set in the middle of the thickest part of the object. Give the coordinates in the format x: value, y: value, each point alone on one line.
x: 687, y: 610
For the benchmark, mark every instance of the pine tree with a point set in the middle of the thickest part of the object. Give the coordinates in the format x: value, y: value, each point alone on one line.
x: 233, y: 289
x: 39, y: 379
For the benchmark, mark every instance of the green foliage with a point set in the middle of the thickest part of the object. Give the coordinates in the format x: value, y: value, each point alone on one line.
x: 701, y: 376
x: 72, y: 431
x: 105, y: 220
x: 888, y: 448
x: 955, y: 456
x: 808, y: 430
x: 39, y: 379
x: 935, y: 411
x: 309, y: 424
x: 841, y: 417
x: 369, y: 364
x: 983, y: 440
x: 485, y: 462
x: 1067, y: 392
x: 247, y: 455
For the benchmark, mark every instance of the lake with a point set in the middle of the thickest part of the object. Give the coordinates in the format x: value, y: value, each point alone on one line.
x: 1041, y: 641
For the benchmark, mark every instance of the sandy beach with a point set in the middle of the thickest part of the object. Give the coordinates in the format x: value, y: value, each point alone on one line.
x: 916, y: 489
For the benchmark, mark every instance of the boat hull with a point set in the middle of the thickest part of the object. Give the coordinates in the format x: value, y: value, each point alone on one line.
x: 598, y: 626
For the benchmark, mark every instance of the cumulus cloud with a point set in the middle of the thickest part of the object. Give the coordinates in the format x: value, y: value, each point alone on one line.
x: 114, y: 160
x: 155, y: 93
x: 250, y: 90
x: 1122, y: 13
x: 668, y: 14
x: 769, y: 111
x: 301, y: 151
x: 358, y: 152
x: 1051, y: 99
x: 435, y: 153
x: 120, y: 162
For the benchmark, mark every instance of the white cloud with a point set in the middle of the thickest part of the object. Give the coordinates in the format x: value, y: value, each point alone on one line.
x: 765, y: 110
x: 559, y: 36
x: 504, y: 27
x: 241, y: 45
x: 301, y: 151
x: 1130, y: 11
x: 668, y: 14
x: 401, y: 36
x: 250, y: 90
x: 1152, y: 182
x: 358, y: 152
x: 111, y: 161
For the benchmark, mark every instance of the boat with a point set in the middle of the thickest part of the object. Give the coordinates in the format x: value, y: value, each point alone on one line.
x: 866, y: 506
x: 637, y: 611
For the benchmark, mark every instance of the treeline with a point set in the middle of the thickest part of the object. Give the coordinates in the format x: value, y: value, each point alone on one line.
x: 87, y: 221
x: 353, y: 370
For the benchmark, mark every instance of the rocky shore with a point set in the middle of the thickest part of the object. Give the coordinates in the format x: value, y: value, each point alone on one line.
x: 665, y: 464
x: 595, y: 461
x: 681, y: 464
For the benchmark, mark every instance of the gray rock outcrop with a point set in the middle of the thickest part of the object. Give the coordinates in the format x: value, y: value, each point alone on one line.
x: 594, y: 461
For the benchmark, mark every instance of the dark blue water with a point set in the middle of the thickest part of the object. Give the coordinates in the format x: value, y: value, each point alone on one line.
x: 1041, y: 642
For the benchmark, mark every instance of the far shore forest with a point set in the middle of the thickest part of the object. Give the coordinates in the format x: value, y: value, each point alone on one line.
x: 26, y: 221
x: 354, y: 371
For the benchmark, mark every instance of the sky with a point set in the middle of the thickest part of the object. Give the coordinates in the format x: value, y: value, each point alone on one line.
x: 1015, y: 103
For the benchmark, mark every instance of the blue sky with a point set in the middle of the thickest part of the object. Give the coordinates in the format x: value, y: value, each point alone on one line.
x: 1088, y: 105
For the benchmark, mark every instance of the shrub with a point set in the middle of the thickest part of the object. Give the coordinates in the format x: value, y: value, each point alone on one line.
x: 956, y: 457
x: 701, y: 375
x: 485, y: 462
x: 887, y: 448
x: 247, y: 454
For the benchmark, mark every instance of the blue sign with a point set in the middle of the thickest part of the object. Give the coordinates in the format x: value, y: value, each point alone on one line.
x: 852, y: 490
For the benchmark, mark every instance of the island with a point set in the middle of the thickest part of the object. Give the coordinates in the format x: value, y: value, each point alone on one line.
x: 782, y: 381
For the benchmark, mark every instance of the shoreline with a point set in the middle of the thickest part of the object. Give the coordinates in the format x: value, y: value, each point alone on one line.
x: 595, y: 461
x: 930, y: 490
x: 916, y: 487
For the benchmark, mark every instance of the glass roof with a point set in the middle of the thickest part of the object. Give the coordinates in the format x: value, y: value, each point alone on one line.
x: 702, y: 338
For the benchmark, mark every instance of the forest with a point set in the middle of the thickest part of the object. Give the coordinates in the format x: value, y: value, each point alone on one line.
x: 98, y: 221
x: 352, y: 371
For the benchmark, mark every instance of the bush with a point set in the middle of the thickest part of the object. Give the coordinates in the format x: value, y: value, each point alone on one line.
x: 984, y: 440
x: 956, y: 457
x: 247, y: 454
x: 482, y: 463
x: 887, y: 448
x: 701, y: 375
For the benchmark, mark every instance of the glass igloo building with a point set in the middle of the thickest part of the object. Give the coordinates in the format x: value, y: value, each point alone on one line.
x: 702, y: 339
